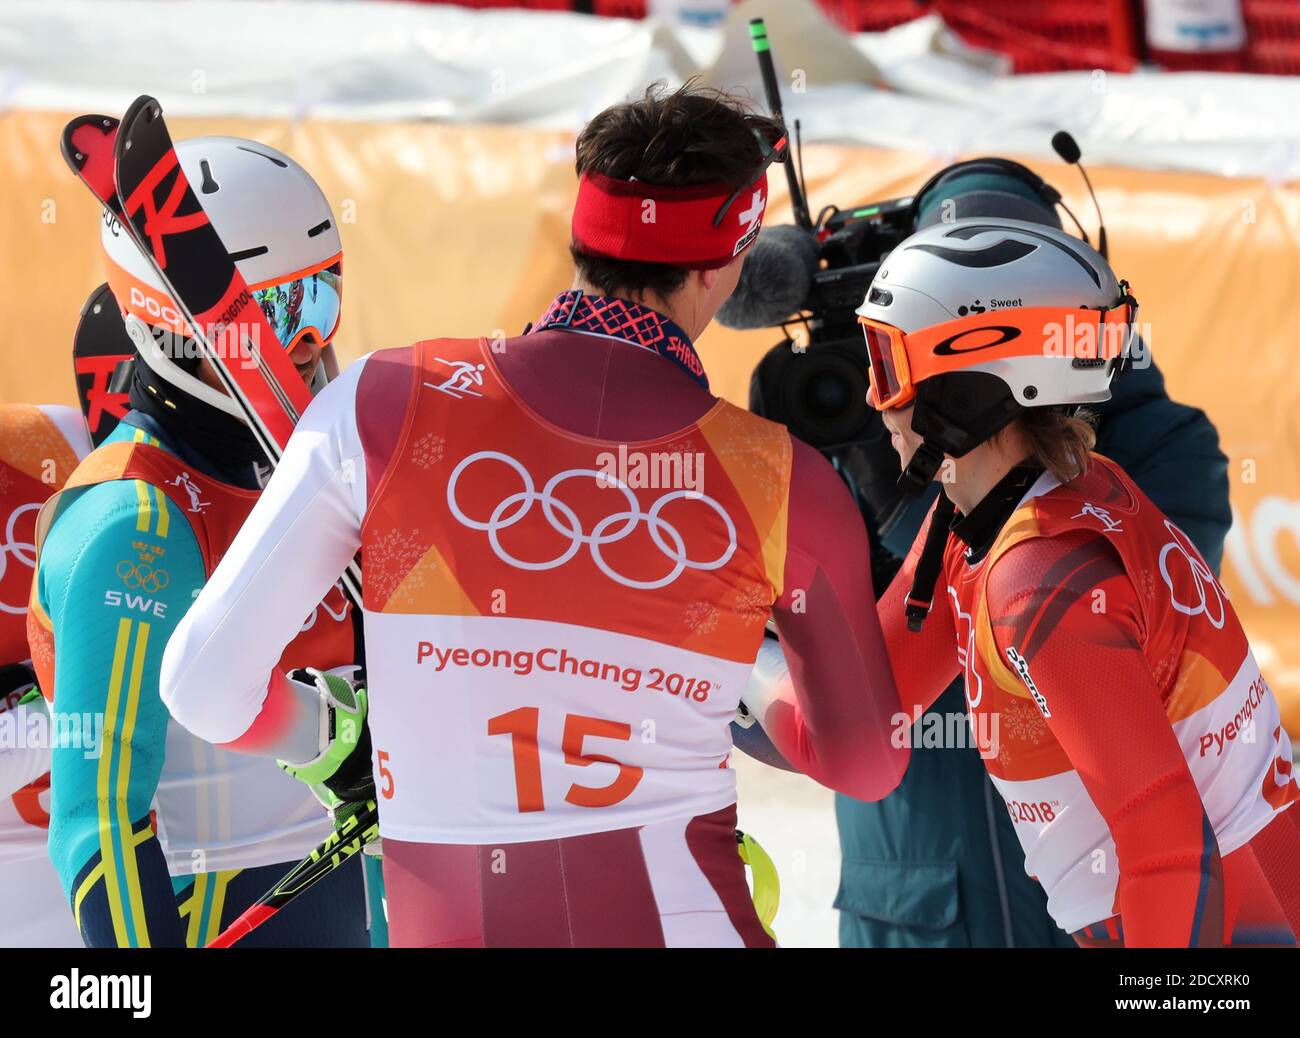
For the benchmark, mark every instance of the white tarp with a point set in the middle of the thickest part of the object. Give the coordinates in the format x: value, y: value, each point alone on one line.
x: 915, y: 87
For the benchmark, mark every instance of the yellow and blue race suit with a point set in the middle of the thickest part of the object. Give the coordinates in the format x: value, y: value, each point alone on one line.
x: 160, y: 839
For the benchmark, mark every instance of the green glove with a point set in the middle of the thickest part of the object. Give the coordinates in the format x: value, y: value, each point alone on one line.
x: 342, y: 769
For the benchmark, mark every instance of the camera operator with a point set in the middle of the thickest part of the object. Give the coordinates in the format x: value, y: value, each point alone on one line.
x: 937, y: 863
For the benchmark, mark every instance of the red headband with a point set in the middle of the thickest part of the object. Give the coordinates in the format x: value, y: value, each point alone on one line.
x: 631, y: 220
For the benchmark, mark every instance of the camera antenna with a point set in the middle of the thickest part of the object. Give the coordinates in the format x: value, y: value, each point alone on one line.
x: 1066, y: 146
x: 798, y: 144
x: 763, y: 52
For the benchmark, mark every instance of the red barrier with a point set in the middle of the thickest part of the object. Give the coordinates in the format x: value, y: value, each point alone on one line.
x: 1043, y: 36
x: 1272, y: 44
x: 1046, y: 36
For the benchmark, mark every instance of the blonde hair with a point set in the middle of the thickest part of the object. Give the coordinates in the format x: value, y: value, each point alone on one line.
x: 1058, y: 443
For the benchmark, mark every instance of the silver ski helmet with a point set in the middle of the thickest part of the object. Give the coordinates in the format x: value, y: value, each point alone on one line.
x: 977, y: 320
x: 278, y: 226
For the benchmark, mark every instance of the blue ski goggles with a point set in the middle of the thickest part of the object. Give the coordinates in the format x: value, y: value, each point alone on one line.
x: 307, y: 303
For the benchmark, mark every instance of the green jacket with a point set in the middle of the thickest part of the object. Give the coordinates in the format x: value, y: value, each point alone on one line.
x: 937, y: 862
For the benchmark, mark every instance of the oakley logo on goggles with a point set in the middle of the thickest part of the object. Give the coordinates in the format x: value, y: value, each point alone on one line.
x: 899, y: 360
x: 310, y: 301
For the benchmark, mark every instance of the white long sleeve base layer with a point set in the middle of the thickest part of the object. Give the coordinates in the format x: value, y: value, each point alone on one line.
x: 296, y: 542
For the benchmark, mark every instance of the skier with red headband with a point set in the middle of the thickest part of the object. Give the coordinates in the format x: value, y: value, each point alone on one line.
x: 570, y: 551
x: 1126, y: 722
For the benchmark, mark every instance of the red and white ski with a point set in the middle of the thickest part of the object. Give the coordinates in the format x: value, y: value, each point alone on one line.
x: 131, y: 166
x: 101, y: 353
x: 87, y: 146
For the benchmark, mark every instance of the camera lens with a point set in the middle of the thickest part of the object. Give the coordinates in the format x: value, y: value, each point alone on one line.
x: 826, y: 395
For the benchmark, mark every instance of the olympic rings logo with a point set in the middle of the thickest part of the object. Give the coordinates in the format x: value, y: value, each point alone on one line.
x: 23, y: 551
x: 1206, y: 585
x: 564, y: 520
x: 142, y: 577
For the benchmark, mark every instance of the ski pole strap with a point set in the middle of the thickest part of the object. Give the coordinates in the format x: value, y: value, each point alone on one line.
x: 921, y: 597
x: 766, y: 884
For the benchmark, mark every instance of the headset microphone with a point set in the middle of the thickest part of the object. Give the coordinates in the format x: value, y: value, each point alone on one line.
x: 1066, y: 146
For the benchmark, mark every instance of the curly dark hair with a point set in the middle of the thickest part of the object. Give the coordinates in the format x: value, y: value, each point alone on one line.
x: 691, y: 135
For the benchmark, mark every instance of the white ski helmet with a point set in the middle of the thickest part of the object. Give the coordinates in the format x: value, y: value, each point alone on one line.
x: 978, y: 319
x: 277, y: 225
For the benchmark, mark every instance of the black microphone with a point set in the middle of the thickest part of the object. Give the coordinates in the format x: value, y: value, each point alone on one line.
x: 1068, y: 148
x: 775, y: 279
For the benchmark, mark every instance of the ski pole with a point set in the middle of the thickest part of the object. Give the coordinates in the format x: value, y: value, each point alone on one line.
x: 354, y: 832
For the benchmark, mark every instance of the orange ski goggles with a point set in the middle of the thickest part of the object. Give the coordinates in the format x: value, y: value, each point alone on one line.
x: 900, y: 360
x: 308, y: 301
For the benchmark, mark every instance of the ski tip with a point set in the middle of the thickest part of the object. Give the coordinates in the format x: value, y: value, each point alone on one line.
x: 100, y: 299
x: 143, y: 107
x: 144, y: 111
x: 84, y: 137
x: 87, y: 145
x: 102, y: 352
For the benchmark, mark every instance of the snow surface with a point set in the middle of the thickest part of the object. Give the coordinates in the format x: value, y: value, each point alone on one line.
x: 794, y: 820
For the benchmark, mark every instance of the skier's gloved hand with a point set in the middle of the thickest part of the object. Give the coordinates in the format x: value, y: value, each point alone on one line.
x: 747, y: 735
x: 768, y: 680
x: 341, y: 773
